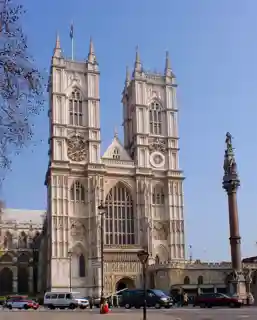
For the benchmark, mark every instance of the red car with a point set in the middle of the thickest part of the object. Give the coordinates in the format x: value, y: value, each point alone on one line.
x: 210, y: 300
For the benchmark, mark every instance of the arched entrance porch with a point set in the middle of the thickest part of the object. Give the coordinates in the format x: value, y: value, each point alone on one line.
x: 6, y: 281
x: 23, y: 280
x: 125, y: 283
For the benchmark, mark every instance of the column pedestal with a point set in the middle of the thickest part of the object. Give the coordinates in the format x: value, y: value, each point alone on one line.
x: 237, y: 286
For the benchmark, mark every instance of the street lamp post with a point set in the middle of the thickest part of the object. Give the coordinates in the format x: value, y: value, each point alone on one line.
x: 102, y: 211
x: 143, y: 258
x: 70, y: 257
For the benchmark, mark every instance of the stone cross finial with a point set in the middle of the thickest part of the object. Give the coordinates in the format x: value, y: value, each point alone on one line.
x: 115, y: 132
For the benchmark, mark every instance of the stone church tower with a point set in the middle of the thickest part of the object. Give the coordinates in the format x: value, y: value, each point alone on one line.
x: 140, y: 183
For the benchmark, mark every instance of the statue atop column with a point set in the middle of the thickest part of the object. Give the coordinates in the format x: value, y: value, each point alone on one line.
x: 230, y: 179
x: 231, y: 182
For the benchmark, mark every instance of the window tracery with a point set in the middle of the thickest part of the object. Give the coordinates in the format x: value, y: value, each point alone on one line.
x: 75, y: 109
x: 119, y: 219
x: 155, y: 118
x: 77, y: 192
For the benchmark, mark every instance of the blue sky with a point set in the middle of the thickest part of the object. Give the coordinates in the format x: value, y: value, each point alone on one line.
x: 213, y: 49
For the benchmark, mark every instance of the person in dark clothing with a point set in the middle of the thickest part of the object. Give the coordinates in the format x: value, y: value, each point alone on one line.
x: 91, y: 302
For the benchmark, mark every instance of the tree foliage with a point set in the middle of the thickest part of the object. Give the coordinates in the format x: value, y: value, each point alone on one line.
x: 21, y: 85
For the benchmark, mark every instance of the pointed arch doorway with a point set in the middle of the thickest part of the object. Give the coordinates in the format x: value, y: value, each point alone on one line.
x: 125, y: 283
x: 6, y: 281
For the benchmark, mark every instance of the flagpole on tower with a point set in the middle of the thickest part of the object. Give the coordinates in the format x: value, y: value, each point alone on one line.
x: 72, y: 40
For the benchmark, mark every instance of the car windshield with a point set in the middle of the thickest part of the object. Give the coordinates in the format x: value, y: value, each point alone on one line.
x: 159, y: 293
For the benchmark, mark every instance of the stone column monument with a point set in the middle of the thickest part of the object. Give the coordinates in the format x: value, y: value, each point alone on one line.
x: 231, y: 182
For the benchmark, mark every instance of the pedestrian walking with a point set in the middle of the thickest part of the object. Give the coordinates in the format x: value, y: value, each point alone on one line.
x: 91, y: 303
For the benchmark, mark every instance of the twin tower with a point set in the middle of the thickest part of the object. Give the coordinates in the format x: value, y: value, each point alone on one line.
x: 139, y: 181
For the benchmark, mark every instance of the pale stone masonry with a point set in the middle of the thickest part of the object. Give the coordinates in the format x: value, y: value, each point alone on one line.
x: 140, y: 182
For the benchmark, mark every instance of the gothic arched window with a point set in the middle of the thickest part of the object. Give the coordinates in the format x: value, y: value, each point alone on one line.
x: 77, y: 192
x: 186, y: 280
x: 119, y: 219
x: 200, y: 280
x: 82, y: 266
x: 75, y: 109
x: 155, y: 118
x: 158, y: 197
x: 116, y: 154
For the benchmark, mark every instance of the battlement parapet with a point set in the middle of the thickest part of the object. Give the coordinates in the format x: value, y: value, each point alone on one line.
x: 196, y: 265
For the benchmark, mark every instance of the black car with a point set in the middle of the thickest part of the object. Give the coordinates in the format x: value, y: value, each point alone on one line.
x: 154, y: 298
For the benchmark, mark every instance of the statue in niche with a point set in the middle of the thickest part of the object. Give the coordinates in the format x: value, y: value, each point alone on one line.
x: 160, y: 231
x: 78, y: 230
x: 8, y: 240
x: 22, y: 242
x: 157, y: 259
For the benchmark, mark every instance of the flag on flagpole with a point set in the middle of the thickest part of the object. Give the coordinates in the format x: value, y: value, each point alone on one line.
x: 71, y: 31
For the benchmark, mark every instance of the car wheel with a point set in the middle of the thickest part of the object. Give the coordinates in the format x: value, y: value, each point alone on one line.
x: 157, y: 306
x: 127, y: 306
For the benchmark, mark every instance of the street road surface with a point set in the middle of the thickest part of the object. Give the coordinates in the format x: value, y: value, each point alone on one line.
x: 152, y: 314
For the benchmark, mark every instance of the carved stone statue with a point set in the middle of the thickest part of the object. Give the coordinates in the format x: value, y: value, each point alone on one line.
x: 228, y: 142
x: 248, y: 276
x: 235, y: 275
x: 22, y: 242
x: 160, y: 231
x: 229, y: 158
x: 77, y: 230
x: 8, y: 240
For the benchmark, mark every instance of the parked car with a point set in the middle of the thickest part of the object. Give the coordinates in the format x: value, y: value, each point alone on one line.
x: 63, y: 300
x: 20, y: 303
x: 217, y: 300
x: 135, y: 298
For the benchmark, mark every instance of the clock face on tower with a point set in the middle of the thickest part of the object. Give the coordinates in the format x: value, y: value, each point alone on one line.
x: 157, y: 159
x: 77, y: 148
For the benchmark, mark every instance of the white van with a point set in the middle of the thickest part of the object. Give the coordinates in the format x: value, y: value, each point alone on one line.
x: 63, y: 300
